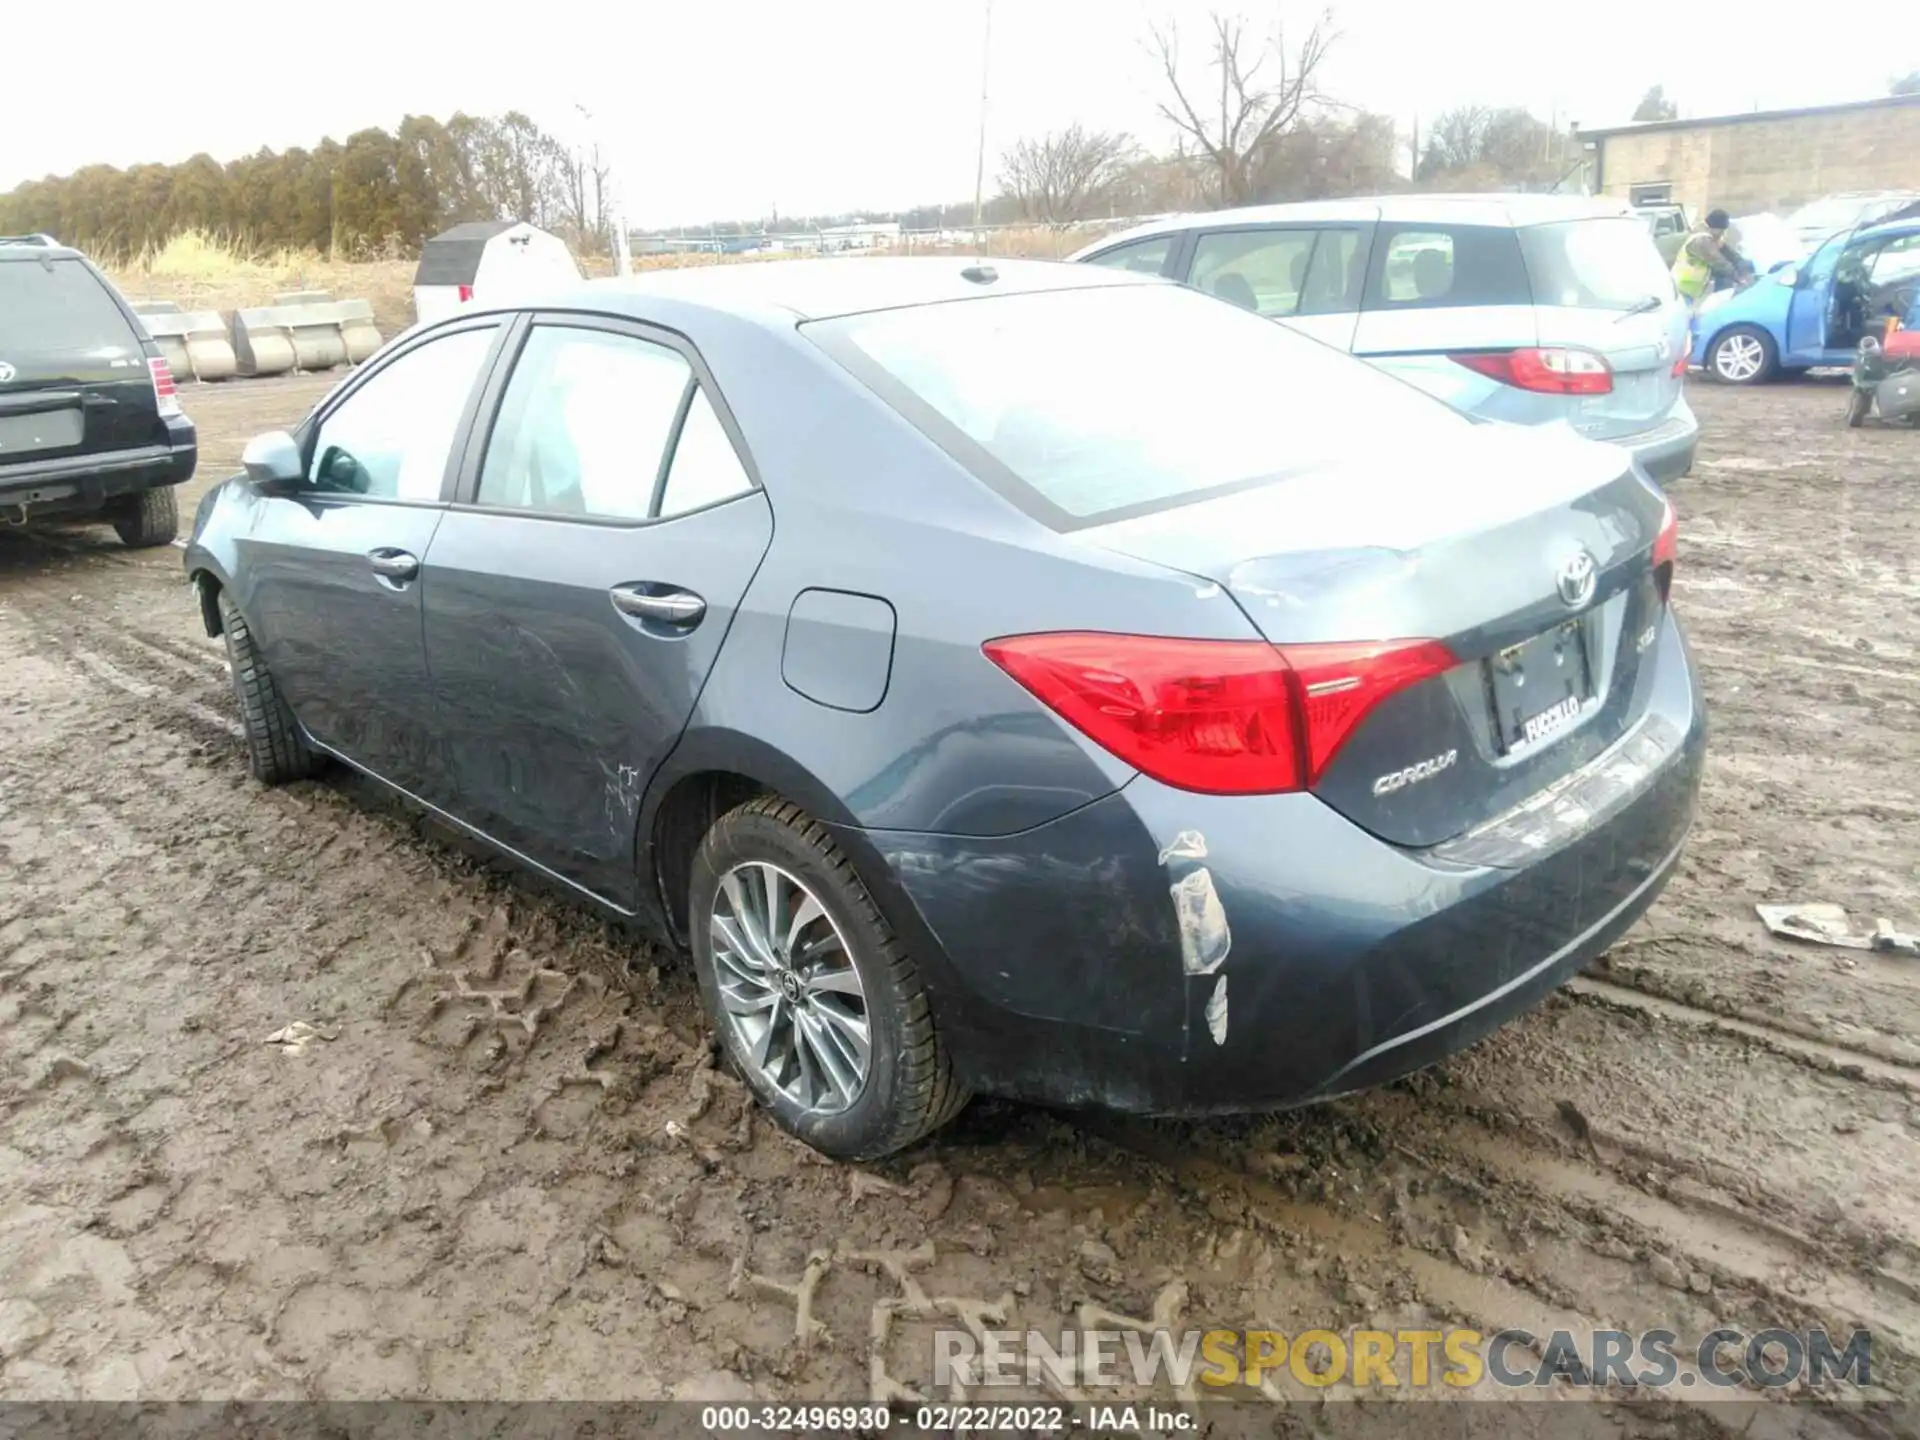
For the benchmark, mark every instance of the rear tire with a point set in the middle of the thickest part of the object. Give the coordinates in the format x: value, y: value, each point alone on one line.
x: 1743, y: 355
x: 276, y: 751
x: 909, y: 1088
x: 147, y: 519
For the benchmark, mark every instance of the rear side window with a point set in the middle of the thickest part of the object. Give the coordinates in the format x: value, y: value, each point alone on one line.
x: 1606, y: 264
x: 1434, y: 266
x: 584, y: 425
x: 1140, y: 257
x: 1087, y: 405
x: 60, y: 305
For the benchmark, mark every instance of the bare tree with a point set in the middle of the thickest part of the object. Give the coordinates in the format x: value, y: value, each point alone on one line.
x: 1472, y: 147
x: 1907, y: 84
x: 1254, y: 109
x: 1068, y: 175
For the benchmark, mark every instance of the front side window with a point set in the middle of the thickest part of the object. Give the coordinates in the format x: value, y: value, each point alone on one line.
x: 1264, y: 271
x: 1125, y: 398
x: 1140, y: 257
x: 584, y: 424
x: 390, y: 438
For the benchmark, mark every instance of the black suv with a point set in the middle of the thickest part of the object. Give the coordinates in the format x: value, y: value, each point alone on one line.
x: 90, y: 423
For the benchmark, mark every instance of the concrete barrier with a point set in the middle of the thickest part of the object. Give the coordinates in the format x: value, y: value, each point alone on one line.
x: 155, y: 307
x: 303, y: 297
x: 358, y: 330
x: 317, y: 335
x: 195, y: 343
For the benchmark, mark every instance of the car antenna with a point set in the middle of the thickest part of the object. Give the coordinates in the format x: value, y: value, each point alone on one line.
x: 980, y: 274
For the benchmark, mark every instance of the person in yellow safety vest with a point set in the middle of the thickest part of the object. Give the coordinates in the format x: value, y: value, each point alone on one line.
x: 1703, y: 259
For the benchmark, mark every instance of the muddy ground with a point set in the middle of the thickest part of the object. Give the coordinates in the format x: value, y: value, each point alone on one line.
x: 509, y: 1173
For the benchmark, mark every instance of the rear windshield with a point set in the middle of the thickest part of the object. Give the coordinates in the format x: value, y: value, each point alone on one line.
x: 50, y: 304
x: 1609, y: 264
x: 1120, y: 400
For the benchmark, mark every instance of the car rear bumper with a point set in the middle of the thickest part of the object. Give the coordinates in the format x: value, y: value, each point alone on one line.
x: 83, y: 484
x: 1083, y: 962
x: 1667, y: 451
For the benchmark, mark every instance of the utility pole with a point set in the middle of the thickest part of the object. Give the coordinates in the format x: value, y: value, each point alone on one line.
x: 980, y: 160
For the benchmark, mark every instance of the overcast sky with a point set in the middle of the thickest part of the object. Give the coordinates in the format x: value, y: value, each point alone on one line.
x: 724, y: 108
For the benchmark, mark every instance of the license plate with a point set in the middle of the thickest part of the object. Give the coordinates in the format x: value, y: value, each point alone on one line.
x: 1540, y: 686
x: 42, y: 430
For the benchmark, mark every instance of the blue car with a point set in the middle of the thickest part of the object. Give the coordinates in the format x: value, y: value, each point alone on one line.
x: 1022, y: 679
x: 1800, y: 316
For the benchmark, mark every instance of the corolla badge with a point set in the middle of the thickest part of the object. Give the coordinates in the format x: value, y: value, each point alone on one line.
x: 1576, y: 579
x: 7, y: 372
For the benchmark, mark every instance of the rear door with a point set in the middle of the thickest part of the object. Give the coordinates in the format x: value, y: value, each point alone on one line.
x: 1308, y: 277
x: 579, y: 592
x: 330, y: 573
x: 1599, y: 285
x: 74, y: 380
x: 1436, y: 289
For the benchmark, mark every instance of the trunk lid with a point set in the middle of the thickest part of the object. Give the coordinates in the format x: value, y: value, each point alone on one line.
x: 1525, y: 550
x: 74, y: 378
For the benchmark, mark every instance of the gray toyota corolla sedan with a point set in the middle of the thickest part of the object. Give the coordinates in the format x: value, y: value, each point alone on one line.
x: 1028, y: 679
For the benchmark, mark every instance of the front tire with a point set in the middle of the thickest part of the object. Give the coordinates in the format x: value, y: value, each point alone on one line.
x: 1743, y: 355
x: 276, y: 751
x: 147, y: 519
x: 818, y: 1006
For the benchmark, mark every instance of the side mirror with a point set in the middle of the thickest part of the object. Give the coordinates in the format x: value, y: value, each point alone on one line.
x: 1788, y: 275
x: 272, y: 461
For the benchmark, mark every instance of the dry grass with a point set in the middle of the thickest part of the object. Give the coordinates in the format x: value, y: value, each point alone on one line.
x: 200, y: 271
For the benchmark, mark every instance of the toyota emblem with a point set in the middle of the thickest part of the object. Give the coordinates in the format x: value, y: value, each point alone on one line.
x: 7, y: 372
x: 1576, y: 579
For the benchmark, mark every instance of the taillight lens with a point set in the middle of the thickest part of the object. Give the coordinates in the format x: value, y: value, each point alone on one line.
x: 1681, y: 365
x: 1548, y: 371
x: 1225, y: 717
x: 1341, y: 684
x: 166, y: 396
x: 466, y: 293
x: 1666, y: 548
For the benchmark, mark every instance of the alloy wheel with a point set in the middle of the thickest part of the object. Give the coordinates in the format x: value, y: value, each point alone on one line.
x: 789, y: 989
x: 1739, y: 358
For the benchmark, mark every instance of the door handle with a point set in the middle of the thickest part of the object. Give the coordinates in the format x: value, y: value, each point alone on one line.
x: 678, y: 607
x: 393, y: 564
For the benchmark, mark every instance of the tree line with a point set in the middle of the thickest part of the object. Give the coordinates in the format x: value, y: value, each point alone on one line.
x: 1243, y: 102
x: 373, y: 193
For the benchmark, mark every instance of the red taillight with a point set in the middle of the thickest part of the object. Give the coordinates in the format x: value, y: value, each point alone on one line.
x: 1341, y: 684
x: 466, y: 293
x: 1666, y: 548
x: 1552, y: 371
x: 1681, y: 365
x: 166, y: 396
x: 1226, y: 717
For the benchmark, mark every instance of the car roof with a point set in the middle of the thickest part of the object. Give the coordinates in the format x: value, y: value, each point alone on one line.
x: 780, y: 291
x: 36, y: 247
x: 1470, y: 209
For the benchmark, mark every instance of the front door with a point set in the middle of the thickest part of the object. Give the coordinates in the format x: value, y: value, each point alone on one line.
x: 580, y: 590
x: 334, y: 568
x: 1810, y: 310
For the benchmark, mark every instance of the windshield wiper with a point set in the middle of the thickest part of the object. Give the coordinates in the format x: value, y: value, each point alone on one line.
x: 1641, y: 307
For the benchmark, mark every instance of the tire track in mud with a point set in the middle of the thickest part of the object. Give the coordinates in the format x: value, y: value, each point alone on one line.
x: 1712, y: 1143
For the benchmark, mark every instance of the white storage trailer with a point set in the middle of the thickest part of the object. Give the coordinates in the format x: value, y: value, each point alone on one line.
x: 490, y: 261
